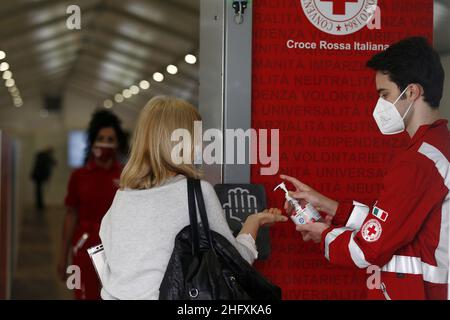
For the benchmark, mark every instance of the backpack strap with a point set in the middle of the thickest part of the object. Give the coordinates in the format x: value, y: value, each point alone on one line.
x: 193, y: 217
x: 202, y: 209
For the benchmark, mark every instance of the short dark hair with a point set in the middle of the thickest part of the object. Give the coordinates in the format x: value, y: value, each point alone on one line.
x: 105, y: 119
x: 413, y: 60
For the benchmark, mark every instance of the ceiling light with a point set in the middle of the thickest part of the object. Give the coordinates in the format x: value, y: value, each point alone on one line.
x: 108, y: 104
x: 7, y: 75
x: 118, y: 97
x: 134, y: 89
x: 126, y: 93
x: 144, y: 84
x: 158, y: 76
x: 13, y: 89
x: 190, y: 58
x: 2, y: 55
x: 172, y: 69
x: 4, y: 66
x: 9, y: 83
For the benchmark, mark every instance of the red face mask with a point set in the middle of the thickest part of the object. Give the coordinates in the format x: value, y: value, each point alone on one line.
x: 104, y: 151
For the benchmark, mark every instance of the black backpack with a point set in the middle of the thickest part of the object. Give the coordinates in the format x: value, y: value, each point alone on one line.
x: 205, y: 266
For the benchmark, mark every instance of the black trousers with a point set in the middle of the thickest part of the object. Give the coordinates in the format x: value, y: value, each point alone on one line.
x: 39, y: 197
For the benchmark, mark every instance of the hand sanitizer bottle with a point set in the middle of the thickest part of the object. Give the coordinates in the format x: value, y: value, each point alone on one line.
x: 302, y: 214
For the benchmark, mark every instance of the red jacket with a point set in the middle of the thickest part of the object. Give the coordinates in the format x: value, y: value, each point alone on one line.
x: 406, y: 232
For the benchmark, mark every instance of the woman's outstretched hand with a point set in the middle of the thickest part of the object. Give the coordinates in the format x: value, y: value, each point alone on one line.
x: 265, y: 218
x: 270, y: 216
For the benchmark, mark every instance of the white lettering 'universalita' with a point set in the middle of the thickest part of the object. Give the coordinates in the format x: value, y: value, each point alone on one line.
x: 241, y: 147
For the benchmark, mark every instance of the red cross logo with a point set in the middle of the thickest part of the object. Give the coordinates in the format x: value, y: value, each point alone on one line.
x: 339, y: 5
x: 371, y: 230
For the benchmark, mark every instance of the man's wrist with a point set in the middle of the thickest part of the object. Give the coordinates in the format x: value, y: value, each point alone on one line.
x: 332, y: 207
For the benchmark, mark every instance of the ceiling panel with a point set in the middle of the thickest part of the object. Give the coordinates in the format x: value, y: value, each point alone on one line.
x: 162, y: 13
x: 120, y: 43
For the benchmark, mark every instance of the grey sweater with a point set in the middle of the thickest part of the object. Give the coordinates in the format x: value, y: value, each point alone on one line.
x: 138, y: 234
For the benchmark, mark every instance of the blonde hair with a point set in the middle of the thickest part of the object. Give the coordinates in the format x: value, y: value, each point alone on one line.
x: 150, y: 162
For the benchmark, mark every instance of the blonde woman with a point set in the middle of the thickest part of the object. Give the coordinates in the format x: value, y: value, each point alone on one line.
x: 138, y: 231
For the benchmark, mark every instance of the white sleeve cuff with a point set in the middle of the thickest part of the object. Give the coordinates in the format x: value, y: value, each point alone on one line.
x: 247, y: 241
x: 358, y: 215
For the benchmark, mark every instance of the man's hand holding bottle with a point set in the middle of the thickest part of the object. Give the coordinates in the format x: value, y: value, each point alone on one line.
x: 305, y: 194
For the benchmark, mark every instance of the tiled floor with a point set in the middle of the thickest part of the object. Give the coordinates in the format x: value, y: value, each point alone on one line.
x: 35, y: 275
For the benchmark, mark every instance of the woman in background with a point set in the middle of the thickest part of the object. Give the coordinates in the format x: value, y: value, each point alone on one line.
x: 90, y: 193
x: 139, y: 230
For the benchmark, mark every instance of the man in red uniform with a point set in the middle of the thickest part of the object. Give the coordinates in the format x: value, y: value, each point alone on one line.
x: 91, y: 191
x: 406, y: 232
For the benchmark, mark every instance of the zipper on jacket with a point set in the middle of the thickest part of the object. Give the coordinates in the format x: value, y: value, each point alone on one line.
x: 383, y: 289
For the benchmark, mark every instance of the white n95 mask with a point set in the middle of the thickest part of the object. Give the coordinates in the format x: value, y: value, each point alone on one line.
x: 388, y: 118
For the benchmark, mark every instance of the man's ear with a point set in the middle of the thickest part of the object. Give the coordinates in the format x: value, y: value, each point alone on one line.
x: 415, y: 91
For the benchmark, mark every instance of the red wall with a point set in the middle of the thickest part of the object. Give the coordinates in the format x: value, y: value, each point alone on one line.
x: 322, y: 102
